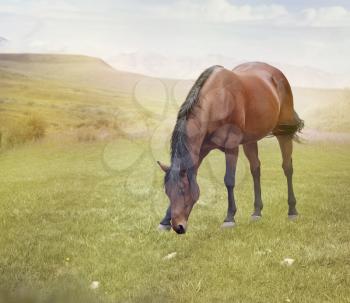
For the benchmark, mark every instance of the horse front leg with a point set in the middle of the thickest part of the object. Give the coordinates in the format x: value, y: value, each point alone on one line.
x: 231, y: 157
x: 165, y: 224
x: 251, y: 152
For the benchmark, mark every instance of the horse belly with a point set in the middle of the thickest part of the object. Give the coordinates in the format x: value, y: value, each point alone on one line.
x: 262, y: 109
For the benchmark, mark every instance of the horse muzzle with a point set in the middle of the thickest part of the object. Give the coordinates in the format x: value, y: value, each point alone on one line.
x: 179, y: 228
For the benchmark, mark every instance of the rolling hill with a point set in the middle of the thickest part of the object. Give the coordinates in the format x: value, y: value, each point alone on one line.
x: 69, y: 69
x: 76, y: 93
x: 71, y: 92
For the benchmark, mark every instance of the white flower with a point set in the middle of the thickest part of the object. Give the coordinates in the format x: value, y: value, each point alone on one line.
x: 95, y: 284
x: 287, y: 261
x: 170, y: 256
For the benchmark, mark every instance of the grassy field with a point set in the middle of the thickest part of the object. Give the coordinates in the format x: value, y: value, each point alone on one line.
x: 74, y: 211
x: 77, y: 93
x: 67, y: 214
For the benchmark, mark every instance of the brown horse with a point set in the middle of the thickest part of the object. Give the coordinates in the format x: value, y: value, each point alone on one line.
x: 223, y: 110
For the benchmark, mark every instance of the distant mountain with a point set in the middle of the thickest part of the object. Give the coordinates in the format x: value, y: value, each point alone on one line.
x: 76, y: 70
x: 303, y: 76
x: 185, y: 67
x: 179, y: 67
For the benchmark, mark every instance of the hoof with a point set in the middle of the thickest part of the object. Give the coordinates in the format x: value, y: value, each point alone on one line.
x: 228, y: 224
x: 292, y: 217
x: 162, y: 227
x: 255, y: 218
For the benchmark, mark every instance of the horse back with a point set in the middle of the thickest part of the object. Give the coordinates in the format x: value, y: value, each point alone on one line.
x: 275, y: 83
x: 254, y: 97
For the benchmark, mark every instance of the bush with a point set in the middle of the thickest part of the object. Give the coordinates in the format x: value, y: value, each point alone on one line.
x: 14, y: 133
x: 35, y: 128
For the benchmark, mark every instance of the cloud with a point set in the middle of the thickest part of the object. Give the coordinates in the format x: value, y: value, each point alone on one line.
x: 315, y: 36
x: 203, y: 11
x: 50, y: 10
x: 326, y: 16
x: 223, y: 11
x: 7, y: 8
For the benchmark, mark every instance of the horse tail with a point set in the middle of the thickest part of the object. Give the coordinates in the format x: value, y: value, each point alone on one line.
x: 290, y: 129
x: 297, y: 124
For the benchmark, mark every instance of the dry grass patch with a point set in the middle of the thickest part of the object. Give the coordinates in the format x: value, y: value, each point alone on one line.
x: 31, y: 128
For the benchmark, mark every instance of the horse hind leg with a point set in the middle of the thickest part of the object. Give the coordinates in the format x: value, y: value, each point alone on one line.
x: 286, y: 146
x: 251, y: 152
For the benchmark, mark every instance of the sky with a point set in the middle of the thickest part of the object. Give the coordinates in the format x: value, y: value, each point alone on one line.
x: 301, y: 33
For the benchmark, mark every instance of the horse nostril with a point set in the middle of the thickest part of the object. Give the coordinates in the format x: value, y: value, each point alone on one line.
x: 180, y: 229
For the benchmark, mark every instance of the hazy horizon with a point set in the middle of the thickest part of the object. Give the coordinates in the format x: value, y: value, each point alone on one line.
x: 177, y: 38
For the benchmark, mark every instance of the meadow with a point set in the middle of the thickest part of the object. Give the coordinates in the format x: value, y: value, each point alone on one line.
x: 77, y: 211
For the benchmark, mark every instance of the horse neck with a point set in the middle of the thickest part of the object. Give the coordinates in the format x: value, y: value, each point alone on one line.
x: 196, y: 133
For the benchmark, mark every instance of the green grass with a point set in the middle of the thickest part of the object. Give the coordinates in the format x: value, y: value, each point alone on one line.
x: 68, y: 214
x: 72, y: 213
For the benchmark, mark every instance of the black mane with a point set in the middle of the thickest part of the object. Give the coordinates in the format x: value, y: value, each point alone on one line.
x: 180, y: 155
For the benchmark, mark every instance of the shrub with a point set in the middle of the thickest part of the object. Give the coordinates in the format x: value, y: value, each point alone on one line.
x: 35, y: 128
x: 17, y: 132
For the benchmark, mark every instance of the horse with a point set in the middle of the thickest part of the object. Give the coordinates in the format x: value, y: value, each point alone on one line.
x: 225, y: 109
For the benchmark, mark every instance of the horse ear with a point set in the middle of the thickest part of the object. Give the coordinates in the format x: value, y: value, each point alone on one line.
x: 164, y: 167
